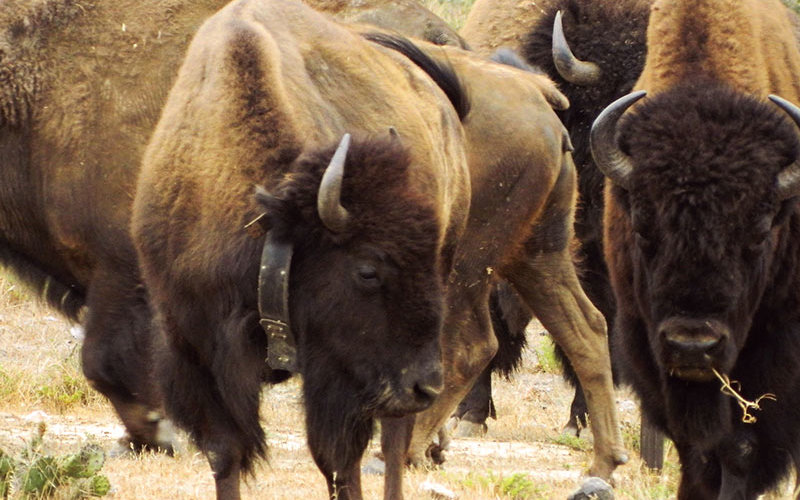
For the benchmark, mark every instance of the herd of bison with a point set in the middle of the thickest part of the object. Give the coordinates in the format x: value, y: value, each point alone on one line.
x: 224, y: 195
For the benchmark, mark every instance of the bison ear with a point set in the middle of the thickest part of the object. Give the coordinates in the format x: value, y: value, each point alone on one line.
x: 270, y: 204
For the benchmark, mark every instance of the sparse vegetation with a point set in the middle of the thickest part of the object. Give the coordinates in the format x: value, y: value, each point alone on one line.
x: 452, y: 11
x: 516, y: 486
x: 793, y: 4
x: 574, y: 442
x: 38, y: 474
x: 546, y: 356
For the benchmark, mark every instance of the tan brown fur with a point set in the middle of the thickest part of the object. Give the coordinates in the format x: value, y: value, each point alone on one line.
x: 492, y: 24
x: 408, y: 17
x: 516, y: 155
x: 748, y: 44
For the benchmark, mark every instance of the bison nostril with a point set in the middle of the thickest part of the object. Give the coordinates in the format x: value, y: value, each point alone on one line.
x: 427, y: 392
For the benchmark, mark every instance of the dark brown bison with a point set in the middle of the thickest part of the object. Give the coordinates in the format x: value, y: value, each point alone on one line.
x: 520, y: 229
x: 594, y: 51
x: 360, y: 233
x: 702, y: 239
x: 81, y: 86
x: 407, y: 17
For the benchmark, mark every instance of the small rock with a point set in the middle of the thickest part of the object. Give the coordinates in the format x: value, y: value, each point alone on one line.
x: 593, y: 488
x: 375, y: 467
x: 37, y: 416
x: 437, y: 491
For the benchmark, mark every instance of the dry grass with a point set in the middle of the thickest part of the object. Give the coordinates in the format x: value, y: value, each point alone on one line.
x: 521, y: 457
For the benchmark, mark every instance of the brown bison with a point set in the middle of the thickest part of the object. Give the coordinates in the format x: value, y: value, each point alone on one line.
x: 370, y: 233
x: 594, y: 51
x: 702, y: 239
x: 408, y: 17
x: 81, y: 86
x: 520, y: 230
x: 360, y: 233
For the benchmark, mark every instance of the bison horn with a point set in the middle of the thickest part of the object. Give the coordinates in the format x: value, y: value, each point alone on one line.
x: 789, y: 178
x: 614, y: 164
x: 329, y: 205
x: 568, y: 66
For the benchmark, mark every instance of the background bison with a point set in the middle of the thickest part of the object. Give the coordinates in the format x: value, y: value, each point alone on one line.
x: 599, y: 52
x: 81, y: 87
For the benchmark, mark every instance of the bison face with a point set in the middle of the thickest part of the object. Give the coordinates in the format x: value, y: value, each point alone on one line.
x: 365, y: 285
x: 704, y: 179
x: 364, y: 316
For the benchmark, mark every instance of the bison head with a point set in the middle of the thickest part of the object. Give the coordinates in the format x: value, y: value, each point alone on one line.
x: 365, y: 285
x: 704, y: 179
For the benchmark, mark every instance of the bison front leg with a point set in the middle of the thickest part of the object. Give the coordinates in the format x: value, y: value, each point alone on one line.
x: 468, y: 345
x: 550, y: 286
x: 117, y: 358
x: 543, y: 273
x: 395, y: 440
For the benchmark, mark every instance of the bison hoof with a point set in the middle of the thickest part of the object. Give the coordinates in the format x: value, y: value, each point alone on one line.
x: 593, y: 488
x: 465, y: 428
x: 165, y: 440
x: 571, y: 429
x: 435, y: 454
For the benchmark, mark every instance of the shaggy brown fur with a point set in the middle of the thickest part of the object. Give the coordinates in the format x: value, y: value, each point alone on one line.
x: 610, y: 35
x: 407, y: 17
x: 700, y: 237
x: 520, y: 228
x: 493, y: 24
x: 79, y: 95
x: 267, y: 88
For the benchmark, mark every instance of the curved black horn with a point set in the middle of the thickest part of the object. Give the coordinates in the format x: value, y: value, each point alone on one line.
x: 609, y: 159
x: 329, y: 205
x: 568, y: 66
x: 789, y: 178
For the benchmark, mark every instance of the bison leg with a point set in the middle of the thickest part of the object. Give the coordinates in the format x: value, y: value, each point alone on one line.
x: 550, y: 286
x: 117, y: 358
x: 395, y: 440
x: 468, y: 345
x: 475, y: 408
x: 544, y: 275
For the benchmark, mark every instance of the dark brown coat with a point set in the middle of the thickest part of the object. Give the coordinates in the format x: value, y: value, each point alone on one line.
x: 702, y: 243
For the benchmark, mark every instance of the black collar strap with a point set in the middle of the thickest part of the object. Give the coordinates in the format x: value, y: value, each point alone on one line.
x: 273, y: 304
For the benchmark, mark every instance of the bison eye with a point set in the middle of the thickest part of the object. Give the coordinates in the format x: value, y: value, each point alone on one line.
x: 642, y: 241
x: 368, y: 275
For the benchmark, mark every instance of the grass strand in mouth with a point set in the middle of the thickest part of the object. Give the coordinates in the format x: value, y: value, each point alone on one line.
x: 729, y: 390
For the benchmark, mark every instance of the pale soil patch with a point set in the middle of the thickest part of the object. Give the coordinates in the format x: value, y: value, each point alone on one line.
x: 37, y: 348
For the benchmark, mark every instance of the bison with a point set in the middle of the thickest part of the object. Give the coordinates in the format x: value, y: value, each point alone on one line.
x: 363, y: 268
x: 594, y: 51
x: 702, y: 239
x: 519, y: 230
x: 408, y: 17
x: 81, y: 87
x: 363, y: 194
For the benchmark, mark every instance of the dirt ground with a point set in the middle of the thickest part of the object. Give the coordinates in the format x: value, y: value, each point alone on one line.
x: 521, y: 456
